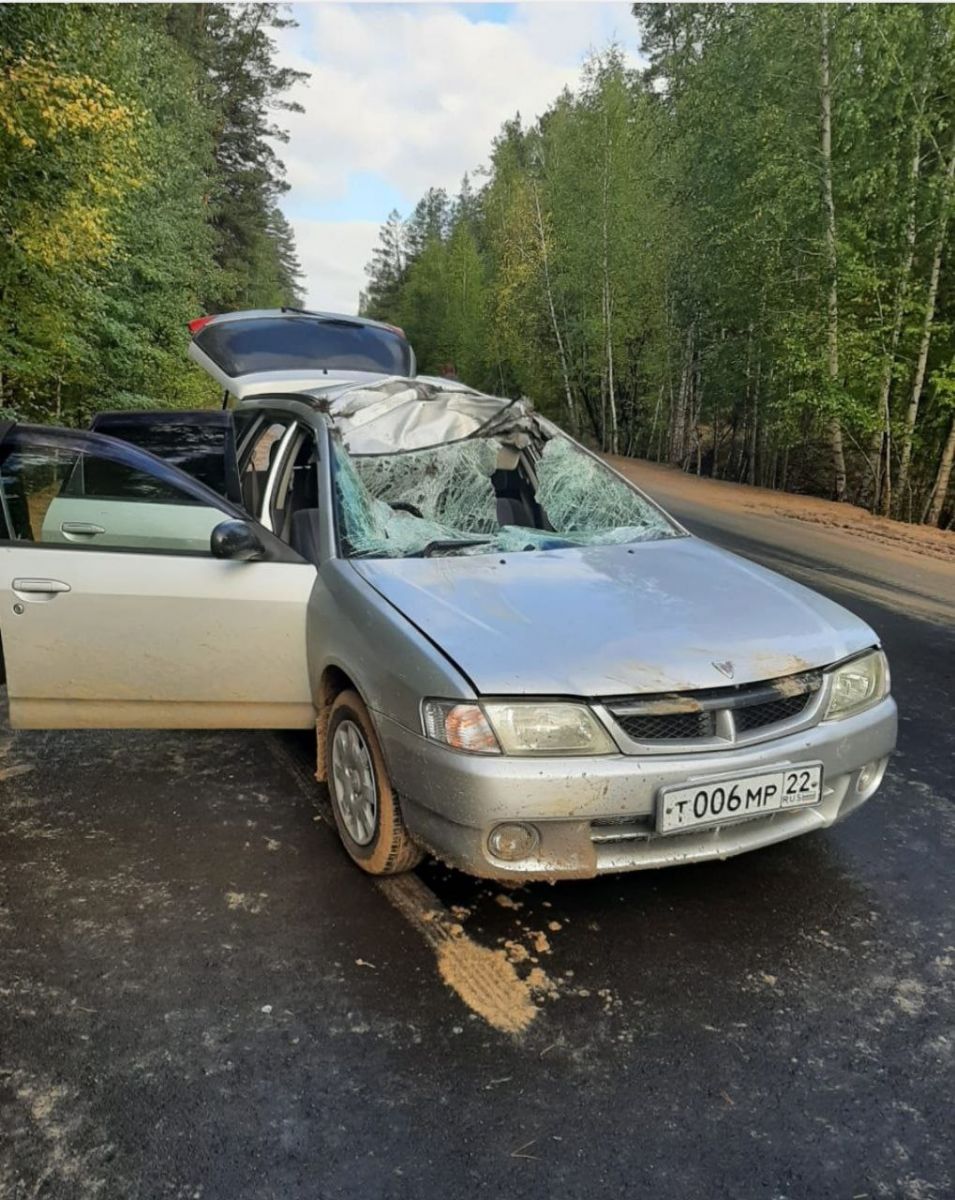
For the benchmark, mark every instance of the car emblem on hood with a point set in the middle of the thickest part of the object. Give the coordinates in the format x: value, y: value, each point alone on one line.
x: 725, y: 668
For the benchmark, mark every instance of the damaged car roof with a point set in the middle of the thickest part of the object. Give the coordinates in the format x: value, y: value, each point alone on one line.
x: 396, y: 415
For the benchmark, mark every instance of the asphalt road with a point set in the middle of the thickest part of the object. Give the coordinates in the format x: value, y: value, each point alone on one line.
x: 201, y: 997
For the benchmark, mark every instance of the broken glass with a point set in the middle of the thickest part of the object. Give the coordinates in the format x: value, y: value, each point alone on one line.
x: 397, y: 504
x: 450, y: 485
x: 588, y: 503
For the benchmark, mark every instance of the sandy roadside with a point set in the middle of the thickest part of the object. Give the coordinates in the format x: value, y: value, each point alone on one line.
x: 666, y: 481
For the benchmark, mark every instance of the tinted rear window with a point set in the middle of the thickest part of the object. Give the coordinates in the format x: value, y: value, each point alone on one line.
x: 290, y: 343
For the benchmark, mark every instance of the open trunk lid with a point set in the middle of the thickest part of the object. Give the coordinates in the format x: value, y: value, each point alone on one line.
x: 287, y: 350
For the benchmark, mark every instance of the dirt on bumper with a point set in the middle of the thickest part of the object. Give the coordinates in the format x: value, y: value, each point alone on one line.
x: 597, y: 815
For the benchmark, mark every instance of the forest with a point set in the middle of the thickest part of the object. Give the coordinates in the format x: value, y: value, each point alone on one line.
x: 736, y: 258
x: 139, y: 188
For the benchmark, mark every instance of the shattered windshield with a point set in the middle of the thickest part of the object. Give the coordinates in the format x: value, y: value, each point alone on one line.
x: 483, y: 495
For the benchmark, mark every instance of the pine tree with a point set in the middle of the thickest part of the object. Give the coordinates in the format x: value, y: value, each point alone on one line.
x: 386, y: 271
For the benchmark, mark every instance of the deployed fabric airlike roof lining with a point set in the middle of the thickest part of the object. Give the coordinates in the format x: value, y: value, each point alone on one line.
x: 401, y: 415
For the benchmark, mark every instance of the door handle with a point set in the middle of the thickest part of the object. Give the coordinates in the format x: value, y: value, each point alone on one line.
x: 81, y: 527
x: 42, y: 587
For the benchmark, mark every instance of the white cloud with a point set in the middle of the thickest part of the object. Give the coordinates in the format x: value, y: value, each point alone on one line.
x: 333, y: 255
x: 415, y: 94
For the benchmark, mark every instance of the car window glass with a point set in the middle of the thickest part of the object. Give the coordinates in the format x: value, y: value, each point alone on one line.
x: 197, y: 446
x: 61, y: 496
x: 95, y: 478
x: 241, y: 347
x: 243, y: 419
x: 477, y: 496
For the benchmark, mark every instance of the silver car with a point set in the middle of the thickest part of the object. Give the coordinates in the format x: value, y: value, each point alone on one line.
x: 513, y: 658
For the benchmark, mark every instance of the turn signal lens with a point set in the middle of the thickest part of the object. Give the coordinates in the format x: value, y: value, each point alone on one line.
x: 462, y: 726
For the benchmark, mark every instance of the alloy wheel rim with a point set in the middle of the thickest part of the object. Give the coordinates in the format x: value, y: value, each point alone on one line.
x: 356, y: 791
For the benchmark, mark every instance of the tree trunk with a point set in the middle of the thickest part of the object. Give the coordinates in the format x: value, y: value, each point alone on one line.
x: 943, y: 477
x: 734, y: 458
x: 656, y: 418
x: 764, y: 432
x: 669, y: 380
x: 754, y: 430
x: 696, y: 426
x: 658, y: 457
x: 752, y: 475
x: 555, y: 324
x: 678, y: 421
x: 825, y: 100
x: 607, y: 295
x: 913, y: 410
x: 880, y: 478
x: 715, y: 464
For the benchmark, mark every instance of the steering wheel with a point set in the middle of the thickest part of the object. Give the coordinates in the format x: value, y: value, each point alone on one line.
x: 405, y: 506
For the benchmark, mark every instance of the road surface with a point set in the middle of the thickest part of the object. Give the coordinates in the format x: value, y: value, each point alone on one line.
x: 201, y: 997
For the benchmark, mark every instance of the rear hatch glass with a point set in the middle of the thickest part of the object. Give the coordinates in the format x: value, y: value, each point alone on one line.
x: 247, y: 347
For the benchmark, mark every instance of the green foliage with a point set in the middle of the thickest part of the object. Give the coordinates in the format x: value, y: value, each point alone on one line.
x: 649, y: 261
x: 138, y: 188
x: 386, y: 270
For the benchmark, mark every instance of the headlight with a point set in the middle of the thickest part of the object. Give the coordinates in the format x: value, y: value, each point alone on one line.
x: 520, y: 727
x: 524, y: 728
x: 857, y: 685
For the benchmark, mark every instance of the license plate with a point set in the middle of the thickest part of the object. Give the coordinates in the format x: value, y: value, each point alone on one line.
x: 719, y: 801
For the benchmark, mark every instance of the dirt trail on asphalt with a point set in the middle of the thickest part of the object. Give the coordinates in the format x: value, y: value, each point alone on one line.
x: 669, y: 482
x: 484, y: 979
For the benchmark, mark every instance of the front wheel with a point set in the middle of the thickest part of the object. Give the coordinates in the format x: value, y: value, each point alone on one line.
x: 364, y: 804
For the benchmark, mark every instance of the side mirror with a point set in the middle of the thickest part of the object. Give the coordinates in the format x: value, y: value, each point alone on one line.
x: 236, y: 540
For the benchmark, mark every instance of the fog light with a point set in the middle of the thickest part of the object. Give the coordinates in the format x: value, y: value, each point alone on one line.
x: 870, y: 776
x: 513, y: 842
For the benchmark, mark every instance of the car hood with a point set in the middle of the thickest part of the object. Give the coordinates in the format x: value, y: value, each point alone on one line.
x: 616, y: 620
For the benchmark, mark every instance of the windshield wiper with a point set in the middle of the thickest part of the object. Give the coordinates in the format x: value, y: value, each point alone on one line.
x: 449, y: 544
x: 343, y: 321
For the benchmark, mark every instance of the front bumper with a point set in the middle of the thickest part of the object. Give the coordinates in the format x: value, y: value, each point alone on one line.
x: 597, y: 815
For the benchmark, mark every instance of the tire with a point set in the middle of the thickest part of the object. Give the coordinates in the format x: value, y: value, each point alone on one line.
x: 375, y: 837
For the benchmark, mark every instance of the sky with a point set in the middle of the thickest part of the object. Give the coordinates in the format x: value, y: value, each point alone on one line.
x: 405, y: 96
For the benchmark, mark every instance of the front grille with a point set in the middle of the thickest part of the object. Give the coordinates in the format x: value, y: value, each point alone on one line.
x: 770, y: 713
x: 717, y: 713
x: 672, y: 727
